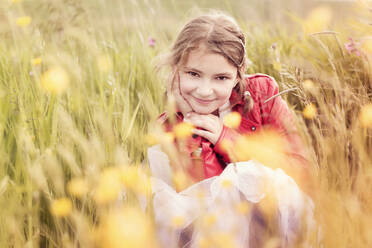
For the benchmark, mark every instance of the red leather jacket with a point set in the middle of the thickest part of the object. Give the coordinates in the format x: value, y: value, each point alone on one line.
x: 268, y: 109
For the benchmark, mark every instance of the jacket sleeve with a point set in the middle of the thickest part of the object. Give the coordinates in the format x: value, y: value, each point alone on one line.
x: 227, y: 135
x: 212, y: 166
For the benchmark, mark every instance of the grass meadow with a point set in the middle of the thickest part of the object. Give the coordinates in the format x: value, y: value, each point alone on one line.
x: 79, y: 94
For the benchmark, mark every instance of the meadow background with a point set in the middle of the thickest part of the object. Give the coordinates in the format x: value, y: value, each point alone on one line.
x: 78, y: 94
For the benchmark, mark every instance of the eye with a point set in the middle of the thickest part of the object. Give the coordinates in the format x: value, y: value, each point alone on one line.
x: 222, y: 78
x: 193, y: 74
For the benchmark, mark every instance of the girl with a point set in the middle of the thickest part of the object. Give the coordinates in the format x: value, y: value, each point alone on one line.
x: 208, y: 63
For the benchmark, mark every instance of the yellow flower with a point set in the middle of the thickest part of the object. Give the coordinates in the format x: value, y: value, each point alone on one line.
x: 232, y: 120
x: 309, y: 111
x: 205, y: 243
x: 181, y: 180
x: 226, y: 183
x: 365, y: 115
x: 318, y: 20
x: 77, y: 187
x: 109, y: 186
x: 226, y: 145
x: 104, y: 63
x: 243, y: 208
x: 178, y: 221
x: 15, y: 1
x: 23, y: 21
x: 36, y: 61
x: 128, y: 227
x: 61, y: 207
x: 308, y: 84
x: 135, y: 179
x: 267, y: 147
x: 269, y: 204
x: 55, y: 80
x: 183, y: 130
x: 168, y: 137
x: 209, y: 220
x: 223, y: 240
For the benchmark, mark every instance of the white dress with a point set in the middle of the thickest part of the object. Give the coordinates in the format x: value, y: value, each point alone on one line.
x: 240, y: 184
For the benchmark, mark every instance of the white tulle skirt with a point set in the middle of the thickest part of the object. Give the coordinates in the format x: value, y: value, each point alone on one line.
x: 182, y: 217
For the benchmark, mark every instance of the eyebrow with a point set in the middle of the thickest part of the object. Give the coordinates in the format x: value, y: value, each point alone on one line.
x: 218, y: 74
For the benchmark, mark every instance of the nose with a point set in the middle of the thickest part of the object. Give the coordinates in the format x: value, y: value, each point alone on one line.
x: 204, y: 89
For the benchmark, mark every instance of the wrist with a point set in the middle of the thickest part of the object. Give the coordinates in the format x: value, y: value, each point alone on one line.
x: 220, y: 147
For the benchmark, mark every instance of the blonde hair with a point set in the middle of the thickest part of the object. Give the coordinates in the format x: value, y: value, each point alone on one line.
x: 220, y: 34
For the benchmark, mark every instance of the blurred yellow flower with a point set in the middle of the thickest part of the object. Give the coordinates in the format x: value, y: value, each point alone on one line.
x: 135, y: 179
x: 61, y: 207
x: 267, y: 147
x: 183, y: 130
x: 104, y: 63
x: 168, y: 137
x: 269, y: 204
x: 78, y: 187
x: 318, y: 20
x: 223, y: 240
x: 365, y: 115
x: 308, y: 84
x: 36, y: 61
x: 243, y: 208
x: 23, y: 21
x: 367, y: 46
x: 15, y: 1
x: 205, y: 243
x: 310, y: 111
x: 126, y: 228
x: 232, y: 120
x: 109, y: 186
x: 226, y: 145
x: 178, y: 221
x: 209, y: 220
x: 55, y: 80
x: 226, y: 183
x: 129, y: 176
x: 181, y: 180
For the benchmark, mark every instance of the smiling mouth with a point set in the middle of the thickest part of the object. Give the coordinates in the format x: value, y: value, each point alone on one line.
x: 201, y: 101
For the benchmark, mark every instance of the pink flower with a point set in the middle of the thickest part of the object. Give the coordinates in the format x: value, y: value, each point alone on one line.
x: 352, y: 47
x: 151, y: 42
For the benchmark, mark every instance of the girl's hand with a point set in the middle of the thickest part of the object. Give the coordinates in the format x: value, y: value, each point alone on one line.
x: 175, y: 92
x: 211, y: 126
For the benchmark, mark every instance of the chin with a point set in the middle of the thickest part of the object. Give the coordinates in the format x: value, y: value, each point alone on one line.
x: 204, y: 111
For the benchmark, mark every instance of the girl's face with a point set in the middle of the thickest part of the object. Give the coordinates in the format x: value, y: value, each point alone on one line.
x: 206, y: 80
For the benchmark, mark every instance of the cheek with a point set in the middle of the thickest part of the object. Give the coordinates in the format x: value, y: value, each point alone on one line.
x: 224, y: 92
x: 186, y: 86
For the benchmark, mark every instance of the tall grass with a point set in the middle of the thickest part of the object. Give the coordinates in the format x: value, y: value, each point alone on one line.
x: 102, y: 117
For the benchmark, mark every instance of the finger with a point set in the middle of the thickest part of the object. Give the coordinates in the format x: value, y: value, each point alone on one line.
x: 204, y: 121
x: 202, y: 124
x: 208, y: 117
x: 205, y: 134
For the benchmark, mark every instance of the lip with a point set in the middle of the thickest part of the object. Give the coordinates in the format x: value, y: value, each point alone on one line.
x: 201, y: 101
